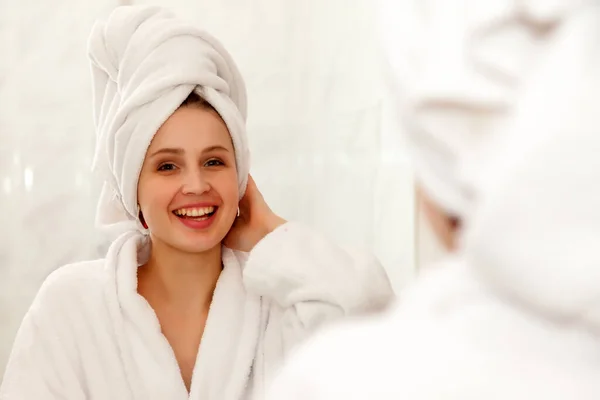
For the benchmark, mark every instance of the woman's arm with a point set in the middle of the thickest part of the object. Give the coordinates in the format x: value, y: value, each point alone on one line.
x: 311, y: 278
x: 302, y: 270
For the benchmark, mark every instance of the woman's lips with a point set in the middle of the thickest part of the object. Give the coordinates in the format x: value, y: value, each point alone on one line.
x: 198, y: 222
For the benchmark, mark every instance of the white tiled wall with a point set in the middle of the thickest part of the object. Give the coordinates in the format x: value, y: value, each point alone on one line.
x: 323, y: 151
x: 46, y: 137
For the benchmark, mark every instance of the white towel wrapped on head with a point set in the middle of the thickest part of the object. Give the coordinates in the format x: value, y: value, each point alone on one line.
x: 535, y: 237
x: 145, y: 62
x: 456, y: 70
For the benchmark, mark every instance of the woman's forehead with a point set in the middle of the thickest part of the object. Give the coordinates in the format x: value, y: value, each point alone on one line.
x: 191, y: 127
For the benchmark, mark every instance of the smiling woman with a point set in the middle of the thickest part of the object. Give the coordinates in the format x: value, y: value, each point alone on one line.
x: 188, y: 198
x: 192, y: 301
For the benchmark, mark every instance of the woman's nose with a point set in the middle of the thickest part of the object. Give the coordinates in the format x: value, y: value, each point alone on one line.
x: 194, y: 182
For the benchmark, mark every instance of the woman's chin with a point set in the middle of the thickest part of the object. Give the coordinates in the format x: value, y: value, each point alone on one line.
x: 197, y: 247
x: 199, y: 242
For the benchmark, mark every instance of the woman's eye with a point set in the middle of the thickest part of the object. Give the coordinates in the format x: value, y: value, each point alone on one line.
x: 214, y: 162
x: 166, y: 167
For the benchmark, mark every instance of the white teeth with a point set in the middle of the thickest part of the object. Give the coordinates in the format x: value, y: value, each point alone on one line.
x: 194, y: 212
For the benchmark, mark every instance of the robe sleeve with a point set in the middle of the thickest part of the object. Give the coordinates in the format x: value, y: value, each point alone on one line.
x: 314, y: 281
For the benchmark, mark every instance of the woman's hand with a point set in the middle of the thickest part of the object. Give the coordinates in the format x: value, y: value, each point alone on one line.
x: 255, y: 221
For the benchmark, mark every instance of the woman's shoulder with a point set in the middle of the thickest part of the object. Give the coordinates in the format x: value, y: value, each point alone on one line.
x: 71, y: 283
x: 75, y: 274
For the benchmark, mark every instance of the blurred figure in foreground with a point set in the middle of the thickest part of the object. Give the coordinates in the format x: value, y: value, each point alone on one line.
x: 500, y: 105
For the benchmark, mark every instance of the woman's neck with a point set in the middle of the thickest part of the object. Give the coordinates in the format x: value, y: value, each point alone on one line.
x: 178, y: 281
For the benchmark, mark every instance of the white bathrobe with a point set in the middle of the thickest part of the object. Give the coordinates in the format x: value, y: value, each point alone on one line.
x: 515, y: 314
x: 90, y: 335
x: 452, y: 338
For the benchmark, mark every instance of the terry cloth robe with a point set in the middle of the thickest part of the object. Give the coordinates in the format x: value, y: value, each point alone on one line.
x: 90, y: 335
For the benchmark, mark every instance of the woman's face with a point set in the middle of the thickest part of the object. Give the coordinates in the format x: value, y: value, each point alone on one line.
x: 188, y: 187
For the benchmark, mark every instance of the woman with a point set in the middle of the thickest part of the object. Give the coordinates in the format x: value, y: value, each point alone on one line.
x: 171, y: 313
x: 514, y: 312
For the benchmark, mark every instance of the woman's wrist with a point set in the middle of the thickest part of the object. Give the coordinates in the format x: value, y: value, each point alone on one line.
x: 272, y: 222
